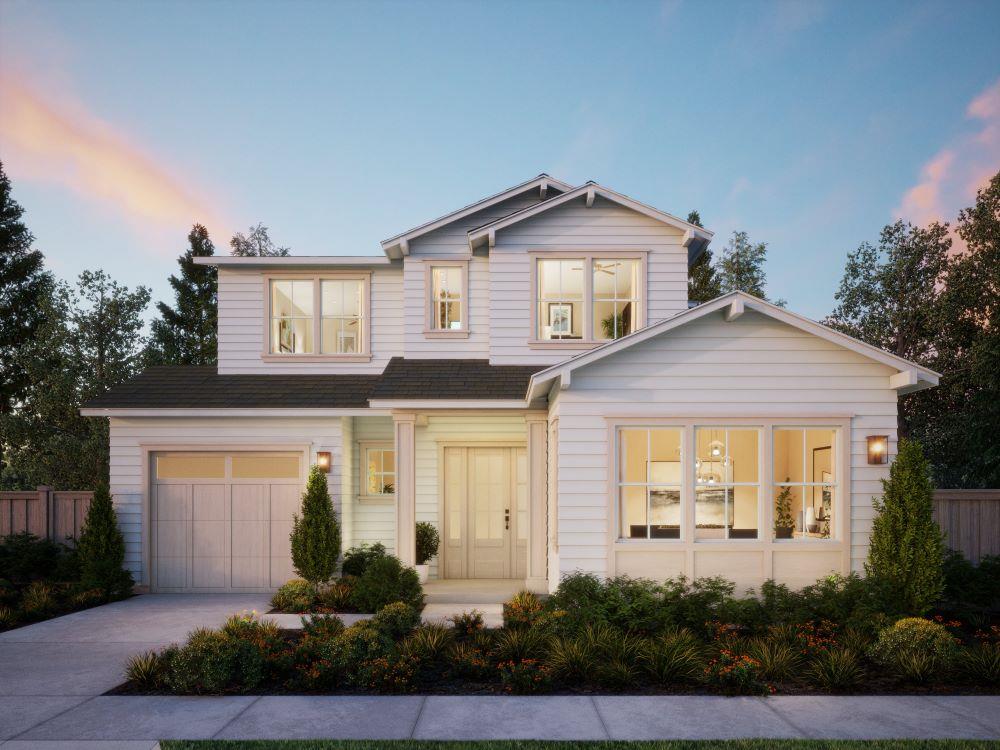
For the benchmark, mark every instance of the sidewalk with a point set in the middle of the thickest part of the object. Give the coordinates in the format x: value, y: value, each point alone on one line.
x: 137, y: 721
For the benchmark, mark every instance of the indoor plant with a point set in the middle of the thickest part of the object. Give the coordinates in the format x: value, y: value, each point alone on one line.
x: 427, y: 546
x: 784, y: 524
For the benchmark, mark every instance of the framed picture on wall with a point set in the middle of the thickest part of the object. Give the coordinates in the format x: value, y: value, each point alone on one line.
x: 822, y: 471
x: 560, y: 318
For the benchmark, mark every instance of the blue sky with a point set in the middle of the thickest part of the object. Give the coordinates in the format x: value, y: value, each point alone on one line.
x: 808, y: 124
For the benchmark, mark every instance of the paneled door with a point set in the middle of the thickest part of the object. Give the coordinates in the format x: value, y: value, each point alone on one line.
x: 486, y: 511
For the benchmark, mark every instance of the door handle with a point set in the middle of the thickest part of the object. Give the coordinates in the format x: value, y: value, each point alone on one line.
x: 506, y: 519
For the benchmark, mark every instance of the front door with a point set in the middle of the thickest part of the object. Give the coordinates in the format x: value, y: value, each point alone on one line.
x: 486, y: 512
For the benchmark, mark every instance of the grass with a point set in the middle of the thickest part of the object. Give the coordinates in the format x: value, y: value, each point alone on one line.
x: 600, y: 745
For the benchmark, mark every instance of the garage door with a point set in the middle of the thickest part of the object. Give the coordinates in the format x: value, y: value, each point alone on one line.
x: 220, y: 521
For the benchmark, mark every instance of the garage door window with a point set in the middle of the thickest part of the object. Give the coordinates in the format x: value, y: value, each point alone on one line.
x: 190, y: 466
x: 251, y: 466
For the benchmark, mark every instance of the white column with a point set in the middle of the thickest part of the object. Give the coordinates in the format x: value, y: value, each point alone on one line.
x: 537, y: 428
x: 406, y: 496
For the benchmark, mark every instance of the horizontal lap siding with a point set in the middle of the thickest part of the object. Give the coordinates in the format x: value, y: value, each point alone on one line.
x: 242, y: 306
x: 573, y: 226
x: 753, y: 366
x: 373, y: 521
x: 128, y: 436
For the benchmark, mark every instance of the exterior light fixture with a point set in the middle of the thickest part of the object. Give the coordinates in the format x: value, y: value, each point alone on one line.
x: 878, y: 449
x: 324, y: 460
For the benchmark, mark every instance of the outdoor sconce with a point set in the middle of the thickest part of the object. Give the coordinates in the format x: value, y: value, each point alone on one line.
x: 324, y: 460
x: 878, y: 449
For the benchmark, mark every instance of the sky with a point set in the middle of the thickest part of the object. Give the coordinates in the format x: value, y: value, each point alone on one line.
x: 810, y: 125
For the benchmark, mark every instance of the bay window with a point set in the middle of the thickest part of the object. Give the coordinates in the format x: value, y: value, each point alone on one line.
x: 318, y: 316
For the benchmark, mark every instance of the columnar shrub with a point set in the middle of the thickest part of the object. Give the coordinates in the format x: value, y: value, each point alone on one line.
x: 101, y: 549
x: 316, y: 534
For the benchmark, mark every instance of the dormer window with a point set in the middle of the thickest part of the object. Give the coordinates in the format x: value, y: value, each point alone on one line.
x: 447, y: 285
x: 320, y: 316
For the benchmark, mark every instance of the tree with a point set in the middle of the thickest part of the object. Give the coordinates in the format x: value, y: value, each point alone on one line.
x: 24, y: 283
x: 102, y: 549
x: 316, y: 535
x: 257, y: 242
x: 907, y: 547
x: 703, y: 281
x: 186, y: 333
x: 741, y: 267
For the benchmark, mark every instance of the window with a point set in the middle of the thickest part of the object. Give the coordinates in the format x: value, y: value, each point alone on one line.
x: 649, y: 483
x: 318, y: 316
x: 378, y: 470
x: 447, y: 298
x: 805, y: 485
x: 587, y: 299
x: 727, y: 482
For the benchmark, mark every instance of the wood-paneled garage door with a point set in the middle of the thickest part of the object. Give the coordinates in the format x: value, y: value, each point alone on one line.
x: 219, y: 522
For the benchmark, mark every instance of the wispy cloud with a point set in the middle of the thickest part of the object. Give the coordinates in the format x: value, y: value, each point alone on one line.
x: 949, y: 180
x: 66, y: 144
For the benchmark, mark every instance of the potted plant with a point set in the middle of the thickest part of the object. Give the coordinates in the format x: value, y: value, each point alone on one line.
x: 784, y: 524
x: 427, y: 546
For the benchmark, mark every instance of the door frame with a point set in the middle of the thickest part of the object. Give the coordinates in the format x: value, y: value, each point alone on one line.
x: 442, y: 444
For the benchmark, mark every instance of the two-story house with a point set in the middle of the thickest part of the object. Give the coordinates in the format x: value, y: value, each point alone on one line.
x: 526, y: 374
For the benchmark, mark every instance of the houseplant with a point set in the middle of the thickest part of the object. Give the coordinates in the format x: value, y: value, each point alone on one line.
x: 784, y: 524
x: 427, y: 546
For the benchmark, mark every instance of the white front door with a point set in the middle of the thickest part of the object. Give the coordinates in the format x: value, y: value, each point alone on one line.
x: 486, y: 512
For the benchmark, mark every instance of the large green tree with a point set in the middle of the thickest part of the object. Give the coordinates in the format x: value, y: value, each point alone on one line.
x: 703, y: 281
x: 186, y: 333
x: 741, y: 267
x: 256, y: 242
x: 24, y: 284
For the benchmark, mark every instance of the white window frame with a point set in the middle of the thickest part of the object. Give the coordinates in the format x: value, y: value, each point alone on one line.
x: 725, y: 427
x: 649, y: 484
x: 363, y: 447
x: 430, y: 331
x: 363, y: 354
x: 836, y: 507
x: 587, y: 256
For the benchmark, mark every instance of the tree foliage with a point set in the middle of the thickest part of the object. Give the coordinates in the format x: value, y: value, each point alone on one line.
x: 186, y: 333
x: 256, y: 242
x: 102, y: 549
x: 703, y: 281
x: 316, y: 534
x: 741, y: 267
x: 907, y: 547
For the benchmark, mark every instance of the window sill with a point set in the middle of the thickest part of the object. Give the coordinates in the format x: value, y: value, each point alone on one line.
x: 377, y: 499
x: 316, y: 357
x: 434, y: 333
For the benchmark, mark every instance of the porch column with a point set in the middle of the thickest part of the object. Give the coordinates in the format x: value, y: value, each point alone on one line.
x: 537, y: 428
x: 406, y: 496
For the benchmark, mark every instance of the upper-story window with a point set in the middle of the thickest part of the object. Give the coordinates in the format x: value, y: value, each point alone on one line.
x: 448, y: 298
x: 319, y: 316
x: 588, y: 298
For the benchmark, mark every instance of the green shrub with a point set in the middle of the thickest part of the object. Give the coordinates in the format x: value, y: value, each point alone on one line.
x: 674, y: 658
x: 387, y: 580
x: 88, y: 598
x: 38, y: 600
x: 357, y: 559
x: 618, y: 673
x: 467, y: 623
x: 735, y: 674
x: 523, y: 643
x: 323, y: 627
x: 428, y: 542
x: 248, y: 626
x: 627, y: 603
x: 778, y: 660
x: 101, y: 548
x: 393, y: 673
x: 835, y: 670
x: 467, y: 660
x: 571, y: 659
x: 522, y: 610
x: 981, y: 663
x: 524, y: 676
x: 396, y: 620
x: 145, y: 670
x: 294, y: 596
x: 316, y: 534
x: 8, y: 618
x: 336, y: 595
x: 915, y: 647
x: 429, y: 642
x: 24, y: 558
x: 356, y: 653
x: 907, y: 547
x: 212, y: 663
x: 917, y: 667
x: 970, y: 588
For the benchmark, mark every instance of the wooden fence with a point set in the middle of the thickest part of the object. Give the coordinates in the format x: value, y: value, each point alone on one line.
x: 970, y: 520
x: 47, y: 513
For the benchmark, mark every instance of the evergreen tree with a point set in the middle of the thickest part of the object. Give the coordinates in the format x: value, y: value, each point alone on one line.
x: 907, y: 547
x: 741, y: 267
x: 257, y: 242
x: 186, y: 333
x: 24, y: 284
x: 316, y: 535
x: 102, y: 549
x: 703, y: 281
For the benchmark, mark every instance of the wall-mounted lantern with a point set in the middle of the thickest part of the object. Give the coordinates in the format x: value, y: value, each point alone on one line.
x: 878, y: 449
x: 324, y: 460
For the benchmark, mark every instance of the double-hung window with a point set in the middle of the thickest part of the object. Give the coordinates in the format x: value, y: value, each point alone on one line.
x: 727, y: 482
x: 649, y: 482
x: 805, y: 484
x: 318, y: 316
x: 447, y: 284
x: 378, y: 470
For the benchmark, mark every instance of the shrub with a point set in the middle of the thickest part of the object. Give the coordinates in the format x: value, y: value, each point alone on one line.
x: 322, y: 627
x: 429, y: 641
x: 917, y: 667
x: 971, y: 587
x: 467, y: 623
x: 38, y: 600
x: 24, y: 558
x: 524, y: 677
x: 812, y: 637
x: 396, y: 620
x: 87, y: 598
x: 467, y: 660
x: 523, y: 610
x: 8, y: 618
x: 393, y: 673
x: 428, y: 542
x: 523, y: 643
x: 674, y: 658
x: 316, y: 534
x: 357, y: 559
x: 778, y: 661
x: 631, y: 604
x: 355, y: 650
x: 335, y: 596
x: 145, y: 670
x: 981, y: 663
x: 387, y: 580
x: 907, y: 548
x: 101, y: 548
x: 735, y: 674
x: 247, y: 626
x: 212, y: 662
x: 701, y: 601
x: 835, y: 669
x: 571, y: 659
x: 618, y: 673
x: 294, y: 596
x: 915, y: 646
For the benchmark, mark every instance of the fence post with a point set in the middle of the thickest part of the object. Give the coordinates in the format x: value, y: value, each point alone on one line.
x: 45, y: 503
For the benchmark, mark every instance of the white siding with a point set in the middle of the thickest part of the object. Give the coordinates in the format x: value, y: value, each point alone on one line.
x: 241, y: 325
x: 129, y: 435
x: 752, y: 367
x: 374, y: 521
x: 604, y: 225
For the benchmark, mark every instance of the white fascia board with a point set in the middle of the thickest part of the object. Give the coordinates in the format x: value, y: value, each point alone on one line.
x: 925, y: 378
x: 285, y: 261
x: 304, y: 412
x: 455, y: 403
x: 396, y: 247
x: 479, y: 234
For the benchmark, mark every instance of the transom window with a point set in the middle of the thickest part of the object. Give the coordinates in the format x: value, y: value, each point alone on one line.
x: 589, y: 298
x: 379, y: 470
x: 804, y: 482
x: 447, y: 303
x: 318, y: 316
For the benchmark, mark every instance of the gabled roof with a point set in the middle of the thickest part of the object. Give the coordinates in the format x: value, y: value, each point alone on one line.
x: 451, y: 379
x: 910, y: 376
x: 398, y: 246
x: 695, y: 237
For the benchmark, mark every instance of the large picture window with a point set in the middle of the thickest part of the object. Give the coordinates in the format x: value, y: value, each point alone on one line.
x: 649, y: 482
x: 727, y: 482
x: 317, y: 316
x: 805, y: 485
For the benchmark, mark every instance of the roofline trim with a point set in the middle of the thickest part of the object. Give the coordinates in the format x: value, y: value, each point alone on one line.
x: 252, y: 261
x: 449, y: 403
x: 303, y: 411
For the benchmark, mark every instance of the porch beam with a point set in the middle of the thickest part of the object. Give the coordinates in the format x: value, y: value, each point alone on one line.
x: 404, y: 433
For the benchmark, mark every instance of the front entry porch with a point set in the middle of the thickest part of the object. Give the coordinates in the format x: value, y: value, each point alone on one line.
x: 449, y: 597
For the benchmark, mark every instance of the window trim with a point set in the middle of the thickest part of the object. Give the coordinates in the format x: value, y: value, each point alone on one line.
x: 588, y: 255
x: 430, y: 332
x: 364, y: 350
x: 836, y: 508
x: 363, y: 497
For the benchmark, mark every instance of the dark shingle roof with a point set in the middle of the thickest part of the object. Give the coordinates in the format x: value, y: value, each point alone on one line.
x: 205, y: 388
x: 452, y: 379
